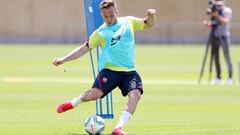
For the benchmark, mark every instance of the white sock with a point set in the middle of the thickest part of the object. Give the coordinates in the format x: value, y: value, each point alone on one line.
x: 125, y: 116
x: 76, y: 101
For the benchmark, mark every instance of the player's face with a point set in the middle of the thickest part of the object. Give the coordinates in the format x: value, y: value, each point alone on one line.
x: 109, y: 15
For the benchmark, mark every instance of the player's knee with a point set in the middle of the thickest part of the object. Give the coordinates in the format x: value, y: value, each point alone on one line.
x: 97, y: 93
x: 95, y: 96
x: 91, y: 95
x: 135, y: 95
x: 85, y: 95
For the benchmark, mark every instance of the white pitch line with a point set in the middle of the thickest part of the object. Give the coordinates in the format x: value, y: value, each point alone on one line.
x: 90, y: 81
x: 87, y: 81
x: 44, y: 80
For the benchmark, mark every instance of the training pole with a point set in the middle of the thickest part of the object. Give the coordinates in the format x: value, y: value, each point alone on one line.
x: 93, y: 21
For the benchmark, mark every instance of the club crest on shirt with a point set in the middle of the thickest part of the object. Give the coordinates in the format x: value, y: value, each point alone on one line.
x: 104, y: 80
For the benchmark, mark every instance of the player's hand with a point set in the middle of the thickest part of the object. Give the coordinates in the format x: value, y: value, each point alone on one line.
x: 58, y: 61
x: 151, y: 12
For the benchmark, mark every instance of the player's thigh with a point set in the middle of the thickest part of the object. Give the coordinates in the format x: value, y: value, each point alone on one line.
x: 91, y: 94
x: 97, y: 93
x: 106, y: 81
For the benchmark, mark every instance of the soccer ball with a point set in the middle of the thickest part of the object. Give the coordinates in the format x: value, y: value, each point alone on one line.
x: 94, y: 125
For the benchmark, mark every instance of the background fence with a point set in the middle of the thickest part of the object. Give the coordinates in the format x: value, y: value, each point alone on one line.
x: 63, y: 21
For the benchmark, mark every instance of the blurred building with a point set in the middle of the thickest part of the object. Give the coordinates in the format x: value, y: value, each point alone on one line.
x: 63, y: 21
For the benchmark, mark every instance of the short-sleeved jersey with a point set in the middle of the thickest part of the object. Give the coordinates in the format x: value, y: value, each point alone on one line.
x: 117, y: 43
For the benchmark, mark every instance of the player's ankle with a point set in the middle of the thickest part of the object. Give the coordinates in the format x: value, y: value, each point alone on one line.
x: 75, y: 102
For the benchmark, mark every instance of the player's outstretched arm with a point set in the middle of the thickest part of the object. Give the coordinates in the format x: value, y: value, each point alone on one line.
x: 74, y: 54
x: 150, y: 18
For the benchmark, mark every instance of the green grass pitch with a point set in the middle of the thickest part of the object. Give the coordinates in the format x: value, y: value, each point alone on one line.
x: 172, y: 104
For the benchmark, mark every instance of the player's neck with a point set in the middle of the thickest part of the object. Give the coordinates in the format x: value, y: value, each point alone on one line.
x: 115, y: 22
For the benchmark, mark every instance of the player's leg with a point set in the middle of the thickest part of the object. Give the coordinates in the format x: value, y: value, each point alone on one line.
x: 131, y: 86
x: 105, y: 82
x: 133, y: 99
x: 88, y: 95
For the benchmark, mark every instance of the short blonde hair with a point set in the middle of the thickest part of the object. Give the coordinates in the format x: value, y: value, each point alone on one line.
x: 105, y: 4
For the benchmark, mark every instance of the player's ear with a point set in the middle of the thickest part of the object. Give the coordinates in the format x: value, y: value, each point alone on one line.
x: 116, y: 10
x: 101, y: 13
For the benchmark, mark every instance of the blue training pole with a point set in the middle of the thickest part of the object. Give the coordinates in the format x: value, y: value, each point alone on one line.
x: 93, y: 21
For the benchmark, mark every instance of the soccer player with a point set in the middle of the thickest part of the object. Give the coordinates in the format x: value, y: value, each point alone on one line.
x: 116, y: 63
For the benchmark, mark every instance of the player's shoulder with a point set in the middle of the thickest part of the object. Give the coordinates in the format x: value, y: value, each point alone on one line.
x: 101, y: 28
x: 131, y: 17
x: 122, y: 18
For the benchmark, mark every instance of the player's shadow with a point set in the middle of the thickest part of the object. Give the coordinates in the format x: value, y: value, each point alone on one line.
x: 87, y: 134
x: 83, y: 134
